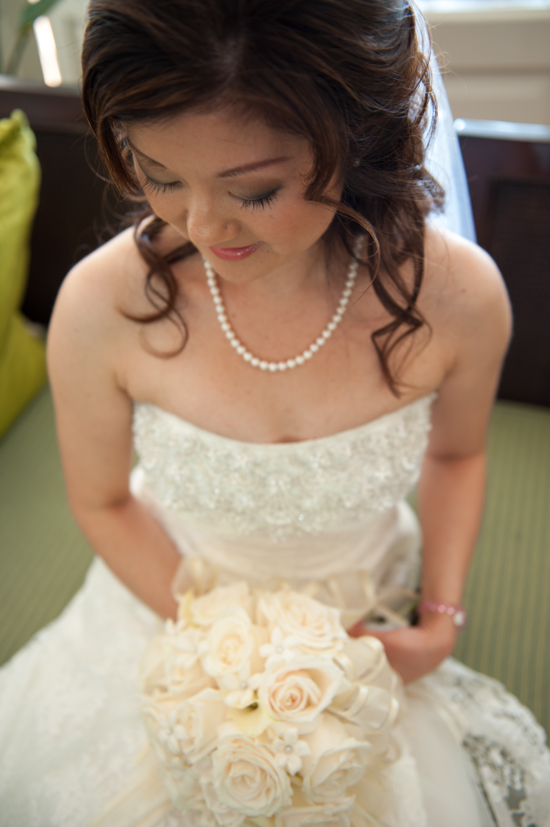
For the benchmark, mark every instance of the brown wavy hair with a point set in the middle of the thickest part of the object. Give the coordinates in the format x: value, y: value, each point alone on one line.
x: 350, y: 76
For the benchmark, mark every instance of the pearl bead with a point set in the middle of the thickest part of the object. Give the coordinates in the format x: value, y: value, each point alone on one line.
x: 288, y: 749
x: 273, y: 367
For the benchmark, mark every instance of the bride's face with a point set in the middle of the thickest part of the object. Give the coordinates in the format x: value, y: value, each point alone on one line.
x: 235, y: 188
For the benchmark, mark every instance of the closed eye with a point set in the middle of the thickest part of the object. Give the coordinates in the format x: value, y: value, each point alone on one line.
x: 156, y: 186
x: 261, y: 202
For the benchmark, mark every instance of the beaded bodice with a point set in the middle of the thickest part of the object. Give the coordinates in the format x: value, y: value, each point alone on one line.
x: 280, y: 491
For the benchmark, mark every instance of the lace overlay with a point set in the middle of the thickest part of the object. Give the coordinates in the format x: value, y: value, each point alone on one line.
x: 282, y: 491
x: 504, y: 742
x: 327, y: 510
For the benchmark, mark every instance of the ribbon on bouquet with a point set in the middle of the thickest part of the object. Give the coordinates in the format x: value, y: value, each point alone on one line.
x: 368, y: 703
x: 354, y: 594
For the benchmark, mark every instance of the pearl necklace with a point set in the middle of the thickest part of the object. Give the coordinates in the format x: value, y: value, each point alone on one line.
x: 263, y: 364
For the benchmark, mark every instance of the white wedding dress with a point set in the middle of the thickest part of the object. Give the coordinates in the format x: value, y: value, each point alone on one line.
x: 329, y: 510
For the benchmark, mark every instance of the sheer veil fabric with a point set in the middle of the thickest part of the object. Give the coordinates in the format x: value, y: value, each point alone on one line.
x: 443, y: 155
x: 74, y: 752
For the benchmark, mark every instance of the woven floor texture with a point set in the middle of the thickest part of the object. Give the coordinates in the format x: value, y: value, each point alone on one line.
x: 43, y: 556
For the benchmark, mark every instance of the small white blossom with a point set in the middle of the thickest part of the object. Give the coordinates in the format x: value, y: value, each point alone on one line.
x: 186, y: 647
x: 242, y: 688
x: 168, y: 732
x: 281, y: 649
x: 290, y: 751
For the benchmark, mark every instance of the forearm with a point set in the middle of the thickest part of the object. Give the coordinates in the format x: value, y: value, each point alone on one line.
x: 450, y: 503
x: 135, y: 547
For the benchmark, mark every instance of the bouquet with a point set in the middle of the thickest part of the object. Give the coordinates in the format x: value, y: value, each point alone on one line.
x: 263, y: 711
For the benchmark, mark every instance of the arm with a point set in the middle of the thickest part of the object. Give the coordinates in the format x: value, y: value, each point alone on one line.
x: 93, y: 415
x: 472, y: 325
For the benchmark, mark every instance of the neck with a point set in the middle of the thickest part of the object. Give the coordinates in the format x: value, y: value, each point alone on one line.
x: 305, y: 272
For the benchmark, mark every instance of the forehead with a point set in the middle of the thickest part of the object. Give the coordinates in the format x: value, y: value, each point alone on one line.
x: 216, y: 140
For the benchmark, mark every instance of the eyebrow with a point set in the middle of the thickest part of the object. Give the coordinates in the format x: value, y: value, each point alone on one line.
x: 253, y: 167
x: 228, y: 173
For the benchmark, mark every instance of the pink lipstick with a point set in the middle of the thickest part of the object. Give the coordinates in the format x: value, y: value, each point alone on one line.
x: 235, y: 253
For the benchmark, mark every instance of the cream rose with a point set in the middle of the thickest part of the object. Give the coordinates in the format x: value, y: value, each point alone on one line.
x: 335, y: 762
x: 205, y: 609
x: 224, y: 816
x: 171, y: 665
x: 300, y: 690
x: 184, y: 673
x: 229, y: 645
x: 316, y: 626
x: 189, y: 728
x: 247, y: 777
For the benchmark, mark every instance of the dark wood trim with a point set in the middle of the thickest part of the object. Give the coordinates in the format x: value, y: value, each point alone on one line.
x: 51, y: 110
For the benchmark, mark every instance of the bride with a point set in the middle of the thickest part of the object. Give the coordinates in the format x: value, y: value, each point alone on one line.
x: 288, y: 341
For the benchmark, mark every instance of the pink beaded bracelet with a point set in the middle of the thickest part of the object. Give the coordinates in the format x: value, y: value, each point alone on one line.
x: 458, y: 614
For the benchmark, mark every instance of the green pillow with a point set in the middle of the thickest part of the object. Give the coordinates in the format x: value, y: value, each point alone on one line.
x: 22, y: 360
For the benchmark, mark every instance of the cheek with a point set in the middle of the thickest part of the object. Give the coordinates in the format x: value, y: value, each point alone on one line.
x: 169, y: 209
x: 297, y: 225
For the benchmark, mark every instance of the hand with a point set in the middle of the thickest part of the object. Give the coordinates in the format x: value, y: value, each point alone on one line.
x: 415, y: 651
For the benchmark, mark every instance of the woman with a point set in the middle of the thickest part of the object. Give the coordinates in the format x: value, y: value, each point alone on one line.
x: 279, y: 146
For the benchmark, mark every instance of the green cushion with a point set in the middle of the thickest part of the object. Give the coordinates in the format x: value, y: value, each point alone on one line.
x: 22, y: 361
x: 43, y: 555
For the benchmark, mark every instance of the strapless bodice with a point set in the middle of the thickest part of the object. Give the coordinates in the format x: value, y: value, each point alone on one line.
x: 281, y: 491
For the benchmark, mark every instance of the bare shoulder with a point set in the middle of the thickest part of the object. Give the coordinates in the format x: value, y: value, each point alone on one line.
x: 87, y: 327
x: 96, y: 286
x: 463, y: 291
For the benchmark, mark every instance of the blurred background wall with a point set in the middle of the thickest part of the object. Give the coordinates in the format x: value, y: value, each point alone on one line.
x: 497, y: 57
x: 497, y: 53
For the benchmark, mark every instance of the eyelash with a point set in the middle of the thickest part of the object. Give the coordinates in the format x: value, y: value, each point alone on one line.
x: 260, y: 203
x: 158, y: 188
x: 255, y: 203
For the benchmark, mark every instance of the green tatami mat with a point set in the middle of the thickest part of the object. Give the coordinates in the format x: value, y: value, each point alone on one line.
x: 508, y: 592
x: 43, y: 555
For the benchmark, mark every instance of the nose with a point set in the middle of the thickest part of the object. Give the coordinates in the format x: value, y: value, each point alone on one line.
x: 207, y: 225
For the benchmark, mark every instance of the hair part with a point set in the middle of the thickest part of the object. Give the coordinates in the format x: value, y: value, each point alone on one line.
x: 347, y: 75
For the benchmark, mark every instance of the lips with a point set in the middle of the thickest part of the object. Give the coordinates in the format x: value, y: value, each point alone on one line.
x: 235, y: 253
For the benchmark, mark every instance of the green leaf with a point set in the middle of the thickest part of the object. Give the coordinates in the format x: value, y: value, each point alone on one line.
x: 33, y: 10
